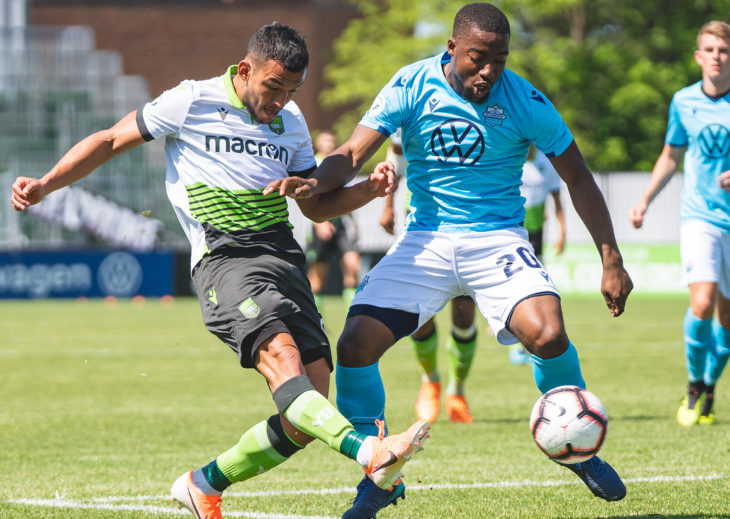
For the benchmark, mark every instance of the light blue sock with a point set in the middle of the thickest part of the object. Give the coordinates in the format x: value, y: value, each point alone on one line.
x: 361, y: 397
x: 697, y: 344
x: 563, y: 370
x: 717, y: 359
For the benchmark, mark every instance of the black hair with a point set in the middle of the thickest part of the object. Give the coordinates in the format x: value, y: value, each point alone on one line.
x: 280, y: 43
x: 482, y: 16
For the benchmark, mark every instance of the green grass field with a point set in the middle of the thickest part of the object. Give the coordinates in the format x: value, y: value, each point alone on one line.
x: 102, y: 407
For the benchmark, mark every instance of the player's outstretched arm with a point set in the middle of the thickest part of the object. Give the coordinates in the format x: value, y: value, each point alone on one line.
x: 336, y: 170
x: 664, y: 168
x: 591, y: 207
x: 79, y: 161
x: 324, y: 206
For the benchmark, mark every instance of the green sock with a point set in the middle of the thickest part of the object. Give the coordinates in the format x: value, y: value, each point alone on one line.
x: 313, y: 414
x: 426, y: 353
x: 461, y: 355
x: 252, y: 455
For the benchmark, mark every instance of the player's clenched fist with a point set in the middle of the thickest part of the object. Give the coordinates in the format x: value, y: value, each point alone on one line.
x: 26, y: 192
x: 383, y: 179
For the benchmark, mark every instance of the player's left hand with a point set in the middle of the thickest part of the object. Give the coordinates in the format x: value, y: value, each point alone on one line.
x: 383, y: 180
x: 724, y: 180
x: 616, y: 285
x: 294, y: 187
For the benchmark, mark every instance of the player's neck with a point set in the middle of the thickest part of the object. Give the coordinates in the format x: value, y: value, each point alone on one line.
x: 715, y: 90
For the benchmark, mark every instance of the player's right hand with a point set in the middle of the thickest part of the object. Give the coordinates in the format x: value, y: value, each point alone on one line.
x: 636, y: 215
x: 294, y: 187
x: 26, y: 192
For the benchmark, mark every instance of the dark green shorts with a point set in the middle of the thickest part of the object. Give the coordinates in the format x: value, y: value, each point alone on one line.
x: 249, y: 294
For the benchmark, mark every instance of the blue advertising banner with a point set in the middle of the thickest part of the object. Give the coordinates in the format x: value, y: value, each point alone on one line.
x: 86, y: 273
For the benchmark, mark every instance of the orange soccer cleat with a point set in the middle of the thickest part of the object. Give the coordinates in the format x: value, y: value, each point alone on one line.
x: 390, y: 453
x: 457, y: 409
x: 427, y: 405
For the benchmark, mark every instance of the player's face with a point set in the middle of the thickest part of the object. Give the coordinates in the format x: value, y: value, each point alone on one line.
x: 713, y: 57
x: 267, y: 88
x: 478, y: 59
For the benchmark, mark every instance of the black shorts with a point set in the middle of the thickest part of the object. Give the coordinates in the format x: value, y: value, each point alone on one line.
x: 249, y: 294
x: 343, y: 240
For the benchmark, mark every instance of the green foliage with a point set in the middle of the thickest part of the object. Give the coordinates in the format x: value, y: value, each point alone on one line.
x: 609, y: 66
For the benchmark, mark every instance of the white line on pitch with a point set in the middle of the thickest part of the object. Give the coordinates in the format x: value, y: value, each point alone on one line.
x: 105, y: 502
x: 65, y: 503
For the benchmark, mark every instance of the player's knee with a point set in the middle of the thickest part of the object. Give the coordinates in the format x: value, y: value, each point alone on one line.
x: 356, y: 347
x: 703, y: 306
x: 548, y: 342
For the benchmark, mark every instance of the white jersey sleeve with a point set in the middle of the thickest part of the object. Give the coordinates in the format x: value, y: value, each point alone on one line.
x: 303, y: 158
x: 166, y: 115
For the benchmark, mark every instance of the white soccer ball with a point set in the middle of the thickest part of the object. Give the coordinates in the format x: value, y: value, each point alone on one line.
x: 569, y: 424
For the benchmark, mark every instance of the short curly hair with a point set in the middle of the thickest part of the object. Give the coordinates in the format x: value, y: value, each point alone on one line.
x: 482, y: 16
x: 280, y: 43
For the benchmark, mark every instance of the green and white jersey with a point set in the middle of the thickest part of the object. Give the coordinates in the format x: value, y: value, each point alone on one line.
x: 219, y: 160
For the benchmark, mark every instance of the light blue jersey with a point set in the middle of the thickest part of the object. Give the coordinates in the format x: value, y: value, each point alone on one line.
x: 702, y: 124
x: 465, y: 159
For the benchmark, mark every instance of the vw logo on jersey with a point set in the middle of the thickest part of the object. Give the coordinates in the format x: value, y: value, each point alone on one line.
x: 460, y: 139
x: 714, y: 141
x: 119, y: 274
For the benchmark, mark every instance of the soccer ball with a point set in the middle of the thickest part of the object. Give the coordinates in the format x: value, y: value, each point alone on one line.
x: 569, y: 424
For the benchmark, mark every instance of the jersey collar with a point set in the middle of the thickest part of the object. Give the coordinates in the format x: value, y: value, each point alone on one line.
x: 230, y: 89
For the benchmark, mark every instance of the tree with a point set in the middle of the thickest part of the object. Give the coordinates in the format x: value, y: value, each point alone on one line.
x: 609, y: 66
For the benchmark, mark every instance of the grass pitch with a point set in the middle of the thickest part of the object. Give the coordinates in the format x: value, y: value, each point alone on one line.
x: 102, y: 406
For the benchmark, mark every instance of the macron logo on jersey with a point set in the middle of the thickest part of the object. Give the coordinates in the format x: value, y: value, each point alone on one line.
x: 223, y: 144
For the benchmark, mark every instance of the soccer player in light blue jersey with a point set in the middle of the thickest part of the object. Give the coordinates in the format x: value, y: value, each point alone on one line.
x: 699, y: 122
x: 467, y: 124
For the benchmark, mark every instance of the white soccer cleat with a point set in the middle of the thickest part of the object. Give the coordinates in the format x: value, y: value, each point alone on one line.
x: 184, y: 493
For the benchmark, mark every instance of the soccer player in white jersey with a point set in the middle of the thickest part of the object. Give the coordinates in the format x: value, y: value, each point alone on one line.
x: 467, y: 124
x: 227, y: 138
x: 699, y: 122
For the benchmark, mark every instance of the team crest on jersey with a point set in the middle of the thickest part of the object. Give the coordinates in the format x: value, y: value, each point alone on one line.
x: 277, y: 125
x: 222, y: 112
x: 494, y: 115
x: 249, y: 309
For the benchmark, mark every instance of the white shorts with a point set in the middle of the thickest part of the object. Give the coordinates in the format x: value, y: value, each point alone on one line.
x: 705, y: 251
x: 424, y: 270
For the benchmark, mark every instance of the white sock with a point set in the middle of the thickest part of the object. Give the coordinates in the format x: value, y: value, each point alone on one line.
x: 365, y: 452
x: 202, y: 484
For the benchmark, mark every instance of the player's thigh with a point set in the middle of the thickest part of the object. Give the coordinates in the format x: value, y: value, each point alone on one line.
x: 247, y: 296
x: 538, y: 324
x: 416, y: 276
x: 462, y: 311
x: 500, y: 270
x: 351, y: 263
x: 701, y: 248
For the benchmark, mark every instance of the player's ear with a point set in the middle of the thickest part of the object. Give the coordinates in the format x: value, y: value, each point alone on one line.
x: 244, y: 69
x: 450, y: 46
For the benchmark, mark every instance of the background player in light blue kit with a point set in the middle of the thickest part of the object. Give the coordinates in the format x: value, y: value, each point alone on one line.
x: 699, y: 121
x: 467, y: 124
